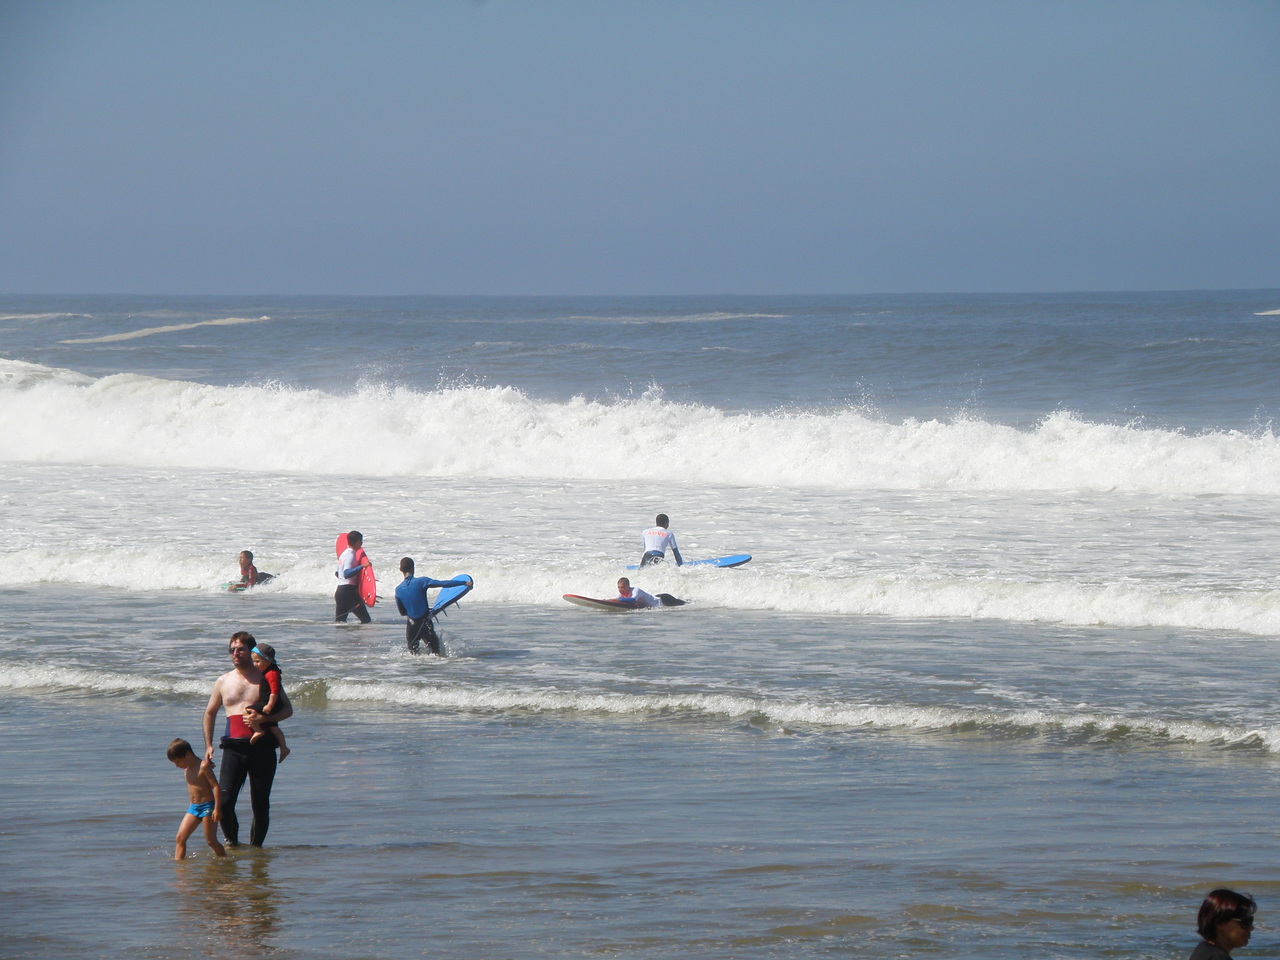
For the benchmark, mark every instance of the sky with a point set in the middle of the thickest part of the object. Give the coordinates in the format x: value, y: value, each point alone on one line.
x: 638, y: 146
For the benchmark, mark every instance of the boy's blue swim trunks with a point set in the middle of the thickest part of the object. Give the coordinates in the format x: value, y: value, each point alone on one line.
x: 201, y: 810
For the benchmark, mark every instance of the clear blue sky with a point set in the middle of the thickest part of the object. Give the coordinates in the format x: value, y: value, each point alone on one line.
x: 630, y: 146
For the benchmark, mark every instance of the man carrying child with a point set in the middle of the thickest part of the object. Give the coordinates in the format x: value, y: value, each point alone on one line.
x: 236, y: 692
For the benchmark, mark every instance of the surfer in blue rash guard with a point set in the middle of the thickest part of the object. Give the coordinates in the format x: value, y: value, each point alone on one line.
x: 412, y: 602
x: 656, y: 541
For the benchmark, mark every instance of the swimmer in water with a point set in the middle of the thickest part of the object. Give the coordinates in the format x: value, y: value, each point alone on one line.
x: 249, y: 575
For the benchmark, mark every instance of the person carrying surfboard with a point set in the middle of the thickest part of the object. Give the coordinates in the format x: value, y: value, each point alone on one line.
x: 351, y: 564
x: 656, y: 541
x: 412, y: 602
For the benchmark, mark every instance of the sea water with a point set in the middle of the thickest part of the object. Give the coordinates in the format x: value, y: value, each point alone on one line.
x: 1000, y: 680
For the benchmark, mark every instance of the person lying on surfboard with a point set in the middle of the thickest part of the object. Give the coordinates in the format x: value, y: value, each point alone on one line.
x: 639, y: 598
x: 412, y: 602
x: 249, y: 574
x: 656, y: 541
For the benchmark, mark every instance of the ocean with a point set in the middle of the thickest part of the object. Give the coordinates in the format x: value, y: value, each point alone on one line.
x: 999, y: 681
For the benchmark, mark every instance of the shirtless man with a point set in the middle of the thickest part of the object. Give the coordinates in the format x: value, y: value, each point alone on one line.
x: 235, y: 692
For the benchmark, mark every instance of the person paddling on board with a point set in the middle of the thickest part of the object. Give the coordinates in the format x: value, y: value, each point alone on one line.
x: 638, y: 598
x: 249, y: 574
x: 346, y: 599
x: 656, y: 541
x: 412, y: 602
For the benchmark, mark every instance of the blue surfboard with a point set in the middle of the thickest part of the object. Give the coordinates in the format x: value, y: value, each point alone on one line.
x: 451, y: 595
x: 737, y: 560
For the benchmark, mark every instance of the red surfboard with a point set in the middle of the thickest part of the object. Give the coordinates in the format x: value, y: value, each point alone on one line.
x: 368, y: 582
x: 612, y: 606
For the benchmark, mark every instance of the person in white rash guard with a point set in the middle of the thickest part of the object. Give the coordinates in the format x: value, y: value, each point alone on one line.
x: 656, y: 541
x: 346, y: 599
x: 634, y: 596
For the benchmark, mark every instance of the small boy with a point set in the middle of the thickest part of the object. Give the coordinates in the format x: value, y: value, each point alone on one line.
x: 264, y: 658
x: 249, y: 575
x: 206, y: 799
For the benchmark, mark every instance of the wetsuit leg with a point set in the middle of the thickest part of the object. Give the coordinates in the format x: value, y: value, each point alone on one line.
x: 262, y: 773
x: 423, y: 628
x: 650, y: 558
x: 346, y: 600
x: 231, y: 776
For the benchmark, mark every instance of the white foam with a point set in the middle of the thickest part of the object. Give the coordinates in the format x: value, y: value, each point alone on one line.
x: 171, y: 328
x: 802, y: 714
x: 41, y: 316
x: 498, y: 432
x: 35, y: 678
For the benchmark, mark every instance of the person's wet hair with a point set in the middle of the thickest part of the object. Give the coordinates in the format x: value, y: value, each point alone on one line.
x: 406, y: 565
x: 241, y: 636
x: 355, y: 538
x: 1222, y: 906
x: 663, y: 520
x: 178, y: 749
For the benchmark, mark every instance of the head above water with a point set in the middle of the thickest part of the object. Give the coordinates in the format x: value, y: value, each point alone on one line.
x: 1219, y: 909
x: 624, y: 587
x: 663, y: 521
x: 406, y: 566
x: 354, y: 539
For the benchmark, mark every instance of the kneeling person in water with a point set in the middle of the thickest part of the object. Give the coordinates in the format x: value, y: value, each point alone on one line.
x: 412, y: 602
x: 638, y: 598
x: 656, y: 541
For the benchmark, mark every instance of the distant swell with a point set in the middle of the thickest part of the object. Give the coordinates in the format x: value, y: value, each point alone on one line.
x: 49, y: 415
